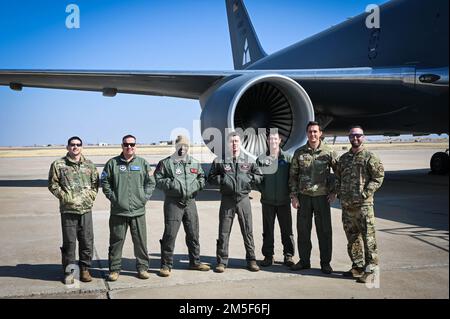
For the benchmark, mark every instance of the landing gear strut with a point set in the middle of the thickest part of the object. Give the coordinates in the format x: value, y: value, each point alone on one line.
x: 439, y: 163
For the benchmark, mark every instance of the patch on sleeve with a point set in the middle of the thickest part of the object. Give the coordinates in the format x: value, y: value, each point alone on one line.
x: 104, y: 175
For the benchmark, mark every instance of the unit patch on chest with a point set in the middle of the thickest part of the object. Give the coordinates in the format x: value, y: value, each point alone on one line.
x: 245, y: 167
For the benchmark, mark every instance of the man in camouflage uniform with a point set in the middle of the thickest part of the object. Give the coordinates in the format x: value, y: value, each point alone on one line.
x: 359, y: 174
x: 235, y: 177
x: 128, y: 182
x: 181, y: 177
x: 74, y: 181
x: 312, y: 190
x: 275, y: 200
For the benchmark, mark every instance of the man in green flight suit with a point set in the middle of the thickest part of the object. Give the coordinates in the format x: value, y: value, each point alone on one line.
x: 73, y: 179
x: 181, y: 177
x: 128, y: 183
x: 312, y: 190
x: 235, y: 177
x: 359, y: 174
x: 275, y: 200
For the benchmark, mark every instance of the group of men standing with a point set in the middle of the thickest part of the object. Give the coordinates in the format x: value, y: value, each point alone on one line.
x: 303, y: 180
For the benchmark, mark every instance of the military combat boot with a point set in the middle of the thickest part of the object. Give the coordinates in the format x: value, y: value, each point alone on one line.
x: 164, y: 271
x: 367, y: 277
x: 268, y: 261
x: 143, y: 274
x: 288, y: 261
x: 300, y: 266
x: 354, y: 272
x: 85, y: 276
x: 220, y: 268
x: 201, y: 267
x: 326, y: 268
x: 252, y: 266
x: 113, y: 276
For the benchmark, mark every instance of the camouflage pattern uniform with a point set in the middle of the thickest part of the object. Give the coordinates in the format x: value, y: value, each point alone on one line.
x: 311, y: 181
x: 180, y: 180
x: 358, y: 176
x: 75, y: 184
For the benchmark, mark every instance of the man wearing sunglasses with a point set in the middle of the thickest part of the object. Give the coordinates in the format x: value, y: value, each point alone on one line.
x: 73, y: 179
x: 128, y: 182
x: 359, y: 174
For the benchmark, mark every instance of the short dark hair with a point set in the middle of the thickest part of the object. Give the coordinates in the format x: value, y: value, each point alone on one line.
x: 74, y: 138
x: 128, y: 136
x: 355, y: 126
x: 272, y: 131
x: 233, y: 134
x: 313, y: 123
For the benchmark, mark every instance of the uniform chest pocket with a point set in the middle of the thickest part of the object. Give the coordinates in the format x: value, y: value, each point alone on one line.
x: 66, y: 176
x: 321, y: 165
x: 305, y: 161
x: 359, y: 165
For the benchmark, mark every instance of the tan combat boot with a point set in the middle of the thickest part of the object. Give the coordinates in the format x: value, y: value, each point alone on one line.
x: 85, y: 276
x: 113, y: 276
x: 220, y: 268
x: 252, y: 266
x: 354, y: 273
x: 143, y: 274
x: 164, y: 271
x: 367, y: 277
x: 200, y: 267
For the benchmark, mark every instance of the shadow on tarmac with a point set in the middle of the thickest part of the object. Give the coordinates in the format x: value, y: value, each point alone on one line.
x: 24, y: 183
x: 99, y: 269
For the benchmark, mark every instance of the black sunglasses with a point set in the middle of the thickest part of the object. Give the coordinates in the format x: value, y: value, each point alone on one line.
x: 356, y: 135
x: 75, y: 144
x: 129, y: 144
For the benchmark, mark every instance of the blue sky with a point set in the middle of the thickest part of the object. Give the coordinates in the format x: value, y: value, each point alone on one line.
x: 132, y: 35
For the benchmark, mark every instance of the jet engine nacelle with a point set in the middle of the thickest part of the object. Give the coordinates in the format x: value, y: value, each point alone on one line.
x: 256, y: 103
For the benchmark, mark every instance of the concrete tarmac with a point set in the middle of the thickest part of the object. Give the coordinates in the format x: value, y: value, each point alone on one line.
x: 412, y: 234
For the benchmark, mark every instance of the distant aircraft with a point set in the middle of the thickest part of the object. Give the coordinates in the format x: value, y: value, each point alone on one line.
x: 391, y: 80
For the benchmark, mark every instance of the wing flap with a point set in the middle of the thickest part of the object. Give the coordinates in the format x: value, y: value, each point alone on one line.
x: 176, y: 84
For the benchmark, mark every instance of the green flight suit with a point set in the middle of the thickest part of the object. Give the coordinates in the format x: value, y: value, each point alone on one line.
x: 235, y: 178
x: 276, y: 202
x: 128, y: 186
x: 180, y: 179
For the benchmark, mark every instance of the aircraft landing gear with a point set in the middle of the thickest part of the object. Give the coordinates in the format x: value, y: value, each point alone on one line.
x: 439, y: 163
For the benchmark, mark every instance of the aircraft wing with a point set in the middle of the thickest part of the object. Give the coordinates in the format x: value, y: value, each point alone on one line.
x: 176, y: 84
x: 192, y: 84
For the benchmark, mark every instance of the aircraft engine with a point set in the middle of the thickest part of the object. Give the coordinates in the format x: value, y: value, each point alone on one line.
x: 256, y: 103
